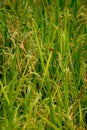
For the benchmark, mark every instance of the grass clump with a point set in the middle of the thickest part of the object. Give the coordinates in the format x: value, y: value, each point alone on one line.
x: 43, y: 65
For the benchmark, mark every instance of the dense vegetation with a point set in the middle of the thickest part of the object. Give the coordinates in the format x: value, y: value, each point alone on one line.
x: 43, y: 65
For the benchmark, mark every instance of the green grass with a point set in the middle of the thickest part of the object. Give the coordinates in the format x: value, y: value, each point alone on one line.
x: 43, y: 65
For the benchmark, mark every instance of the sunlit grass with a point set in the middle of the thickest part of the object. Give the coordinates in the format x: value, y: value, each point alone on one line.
x: 43, y: 65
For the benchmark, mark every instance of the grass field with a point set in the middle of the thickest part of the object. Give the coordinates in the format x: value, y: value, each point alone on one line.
x: 43, y: 65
